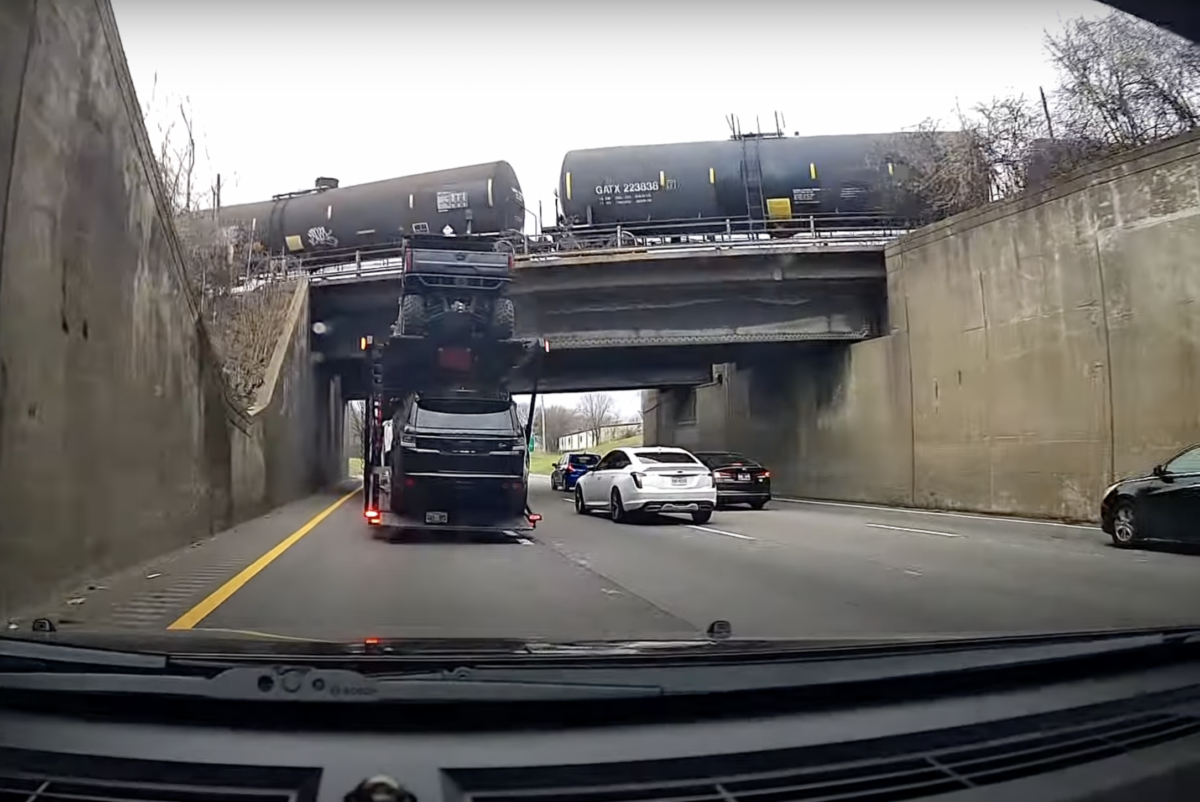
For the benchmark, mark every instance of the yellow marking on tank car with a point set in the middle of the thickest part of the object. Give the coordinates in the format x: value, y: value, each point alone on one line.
x: 410, y: 201
x: 812, y: 171
x: 662, y: 178
x: 712, y: 175
x: 294, y: 243
x: 491, y: 202
x: 329, y: 212
x: 779, y: 208
x: 568, y: 183
x: 364, y: 232
x: 891, y: 169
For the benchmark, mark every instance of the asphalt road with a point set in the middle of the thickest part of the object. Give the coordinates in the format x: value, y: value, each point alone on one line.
x: 809, y: 570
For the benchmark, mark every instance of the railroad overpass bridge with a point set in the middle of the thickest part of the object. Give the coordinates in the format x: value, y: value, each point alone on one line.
x: 649, y: 317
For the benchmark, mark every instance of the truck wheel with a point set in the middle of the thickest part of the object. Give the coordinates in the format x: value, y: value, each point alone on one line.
x: 504, y: 318
x: 412, y: 314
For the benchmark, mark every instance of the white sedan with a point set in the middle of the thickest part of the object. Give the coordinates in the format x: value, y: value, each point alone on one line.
x: 629, y: 482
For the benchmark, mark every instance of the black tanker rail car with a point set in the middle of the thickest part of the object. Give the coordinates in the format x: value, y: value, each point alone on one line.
x: 788, y: 183
x: 329, y: 223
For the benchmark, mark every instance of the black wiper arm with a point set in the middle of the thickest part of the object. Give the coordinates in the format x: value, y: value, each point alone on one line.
x: 306, y: 684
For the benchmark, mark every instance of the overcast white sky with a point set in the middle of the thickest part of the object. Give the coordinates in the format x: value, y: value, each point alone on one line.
x: 283, y: 92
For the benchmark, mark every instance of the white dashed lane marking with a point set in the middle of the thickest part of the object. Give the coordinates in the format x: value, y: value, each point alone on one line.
x: 719, y: 532
x: 917, y: 531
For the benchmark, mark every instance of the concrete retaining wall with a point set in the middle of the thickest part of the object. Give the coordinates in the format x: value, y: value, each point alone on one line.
x: 1039, y: 348
x: 116, y: 439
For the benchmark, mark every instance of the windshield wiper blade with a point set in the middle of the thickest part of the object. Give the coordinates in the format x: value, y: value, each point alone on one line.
x: 307, y: 684
x: 25, y: 655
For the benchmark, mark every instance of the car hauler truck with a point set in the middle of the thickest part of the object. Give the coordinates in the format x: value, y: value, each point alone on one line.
x: 446, y: 447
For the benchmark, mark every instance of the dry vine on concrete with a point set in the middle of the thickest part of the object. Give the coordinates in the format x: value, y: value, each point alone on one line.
x: 244, y: 310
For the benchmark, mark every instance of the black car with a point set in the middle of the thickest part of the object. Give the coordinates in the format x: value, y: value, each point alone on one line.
x: 459, y: 459
x: 1162, y: 505
x: 739, y: 479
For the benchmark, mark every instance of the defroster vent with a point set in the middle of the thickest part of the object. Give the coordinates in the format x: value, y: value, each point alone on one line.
x: 832, y: 773
x: 27, y: 776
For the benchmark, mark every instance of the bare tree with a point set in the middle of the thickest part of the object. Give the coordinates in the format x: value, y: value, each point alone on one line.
x: 596, y: 410
x: 1121, y: 83
x: 560, y: 421
x: 243, y: 320
x: 355, y: 411
x: 938, y: 169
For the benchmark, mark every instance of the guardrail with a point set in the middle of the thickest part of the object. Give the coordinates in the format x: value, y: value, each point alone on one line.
x: 591, y: 244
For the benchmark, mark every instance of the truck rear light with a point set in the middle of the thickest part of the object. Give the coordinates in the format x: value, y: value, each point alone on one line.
x: 637, y: 479
x: 512, y: 262
x: 372, y: 516
x: 408, y: 260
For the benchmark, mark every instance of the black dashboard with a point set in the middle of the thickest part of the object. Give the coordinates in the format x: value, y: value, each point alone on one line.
x: 1130, y: 734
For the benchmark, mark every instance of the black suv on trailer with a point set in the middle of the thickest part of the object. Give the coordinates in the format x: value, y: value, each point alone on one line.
x: 459, y: 460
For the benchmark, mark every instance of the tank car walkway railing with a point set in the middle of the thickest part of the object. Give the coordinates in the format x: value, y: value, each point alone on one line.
x: 590, y: 245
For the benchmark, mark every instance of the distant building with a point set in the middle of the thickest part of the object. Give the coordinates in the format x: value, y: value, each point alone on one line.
x: 582, y: 441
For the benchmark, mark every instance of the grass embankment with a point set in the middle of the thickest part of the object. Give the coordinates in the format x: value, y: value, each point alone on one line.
x: 543, y: 462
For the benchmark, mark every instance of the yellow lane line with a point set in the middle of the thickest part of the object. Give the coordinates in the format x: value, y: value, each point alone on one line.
x: 221, y: 595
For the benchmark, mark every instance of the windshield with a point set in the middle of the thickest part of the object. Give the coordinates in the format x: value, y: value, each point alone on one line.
x: 462, y: 415
x: 927, y: 271
x: 726, y: 459
x: 666, y: 457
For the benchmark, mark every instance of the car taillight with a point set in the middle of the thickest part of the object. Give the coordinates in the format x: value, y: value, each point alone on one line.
x: 766, y: 475
x: 408, y: 260
x: 637, y: 479
x: 512, y: 262
x: 722, y: 475
x: 372, y: 516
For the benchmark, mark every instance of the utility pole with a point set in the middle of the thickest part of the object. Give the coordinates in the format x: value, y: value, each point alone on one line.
x: 544, y: 438
x: 1046, y: 111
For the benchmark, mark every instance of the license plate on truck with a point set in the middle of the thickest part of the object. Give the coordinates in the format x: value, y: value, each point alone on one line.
x: 436, y: 517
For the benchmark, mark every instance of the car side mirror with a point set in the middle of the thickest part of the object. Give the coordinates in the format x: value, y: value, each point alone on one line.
x: 1162, y: 473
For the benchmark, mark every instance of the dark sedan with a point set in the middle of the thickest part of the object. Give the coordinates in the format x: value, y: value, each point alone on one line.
x: 739, y: 479
x: 1162, y: 505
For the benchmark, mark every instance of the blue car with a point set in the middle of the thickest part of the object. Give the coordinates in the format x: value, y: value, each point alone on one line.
x: 570, y: 467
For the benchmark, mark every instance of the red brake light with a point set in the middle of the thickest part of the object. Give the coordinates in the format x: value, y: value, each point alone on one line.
x: 512, y: 262
x: 408, y: 259
x: 371, y: 515
x: 766, y: 475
